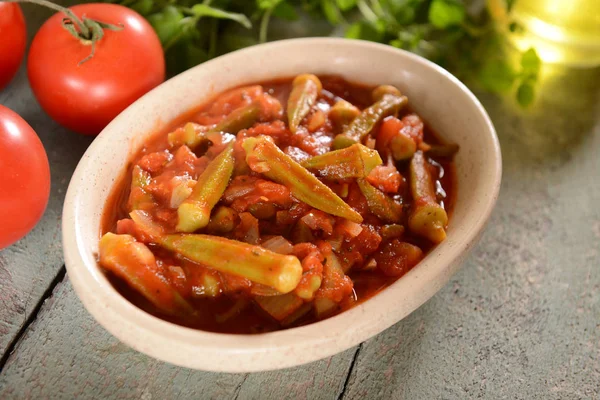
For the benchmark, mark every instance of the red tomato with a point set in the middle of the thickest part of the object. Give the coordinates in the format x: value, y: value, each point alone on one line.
x: 12, y: 44
x: 24, y: 180
x: 86, y: 97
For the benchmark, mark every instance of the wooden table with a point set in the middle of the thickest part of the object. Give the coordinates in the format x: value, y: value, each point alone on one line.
x: 521, y: 320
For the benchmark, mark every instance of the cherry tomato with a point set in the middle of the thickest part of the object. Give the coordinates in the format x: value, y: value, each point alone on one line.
x: 85, y: 97
x: 24, y: 180
x: 12, y: 44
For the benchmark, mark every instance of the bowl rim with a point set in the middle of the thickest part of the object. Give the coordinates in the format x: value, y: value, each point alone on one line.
x: 167, y: 341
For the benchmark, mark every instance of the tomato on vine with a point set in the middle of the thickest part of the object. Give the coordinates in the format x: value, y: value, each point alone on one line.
x: 89, y: 62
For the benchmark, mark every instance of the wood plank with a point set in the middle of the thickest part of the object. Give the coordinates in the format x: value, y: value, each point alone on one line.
x: 30, y: 265
x: 66, y: 354
x: 520, y: 321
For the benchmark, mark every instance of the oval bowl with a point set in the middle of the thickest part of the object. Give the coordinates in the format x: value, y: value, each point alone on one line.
x: 445, y: 103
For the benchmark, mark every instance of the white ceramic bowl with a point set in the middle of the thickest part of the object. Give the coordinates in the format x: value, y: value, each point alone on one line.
x: 446, y: 104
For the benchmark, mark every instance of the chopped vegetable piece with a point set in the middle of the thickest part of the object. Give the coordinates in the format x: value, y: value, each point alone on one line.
x: 296, y: 315
x: 305, y: 90
x: 191, y: 135
x: 139, y: 198
x: 313, y: 283
x: 395, y: 258
x: 135, y: 263
x: 262, y: 210
x: 442, y: 150
x: 194, y: 212
x: 207, y: 284
x: 393, y: 231
x: 263, y: 156
x: 236, y: 309
x: 382, y: 90
x: 279, y: 307
x: 278, y: 244
x: 381, y: 205
x: 336, y: 285
x: 342, y: 114
x: 232, y: 257
x: 362, y: 125
x: 392, y: 136
x: 223, y: 220
x: 356, y: 161
x: 427, y: 218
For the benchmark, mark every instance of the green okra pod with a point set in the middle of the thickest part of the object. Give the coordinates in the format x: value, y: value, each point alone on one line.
x: 133, y: 262
x: 442, y: 150
x: 362, y: 125
x: 342, y: 114
x: 259, y: 265
x: 427, y: 218
x: 263, y: 156
x: 194, y: 135
x: 305, y: 91
x: 194, y: 212
x: 356, y: 161
x: 384, y: 207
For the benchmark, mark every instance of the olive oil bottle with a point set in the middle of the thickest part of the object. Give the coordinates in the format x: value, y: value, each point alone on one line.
x: 562, y: 31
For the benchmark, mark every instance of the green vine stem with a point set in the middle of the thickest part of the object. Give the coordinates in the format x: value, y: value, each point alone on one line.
x: 86, y: 30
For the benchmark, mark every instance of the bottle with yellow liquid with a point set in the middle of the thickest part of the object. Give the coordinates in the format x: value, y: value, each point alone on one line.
x: 563, y: 32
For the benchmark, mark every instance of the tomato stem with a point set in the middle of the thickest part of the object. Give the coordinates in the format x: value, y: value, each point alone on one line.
x: 83, y: 29
x: 86, y: 30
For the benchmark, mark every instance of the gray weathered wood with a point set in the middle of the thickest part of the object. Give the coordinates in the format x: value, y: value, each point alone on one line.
x: 66, y: 354
x: 30, y: 265
x: 520, y: 321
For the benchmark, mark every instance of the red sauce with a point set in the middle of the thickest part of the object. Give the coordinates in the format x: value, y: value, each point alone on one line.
x: 235, y: 311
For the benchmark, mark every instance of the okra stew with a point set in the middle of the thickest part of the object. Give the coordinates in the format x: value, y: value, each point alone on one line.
x: 276, y: 205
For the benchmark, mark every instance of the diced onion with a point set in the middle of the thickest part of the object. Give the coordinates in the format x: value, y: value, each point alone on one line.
x: 278, y: 244
x: 336, y: 242
x: 352, y: 228
x: 180, y: 192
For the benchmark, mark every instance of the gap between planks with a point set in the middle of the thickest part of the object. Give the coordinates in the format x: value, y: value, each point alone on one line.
x: 350, y: 370
x: 60, y: 276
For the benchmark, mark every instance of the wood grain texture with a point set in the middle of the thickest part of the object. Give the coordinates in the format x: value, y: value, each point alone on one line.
x: 30, y: 265
x: 65, y: 355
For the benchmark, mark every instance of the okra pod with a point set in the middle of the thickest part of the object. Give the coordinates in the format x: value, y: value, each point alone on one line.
x: 442, y: 150
x: 305, y: 91
x: 380, y: 91
x: 342, y: 114
x: 263, y: 156
x: 384, y: 207
x: 194, y: 212
x: 402, y: 146
x: 133, y: 262
x: 362, y: 125
x: 194, y: 135
x: 239, y: 119
x: 191, y: 134
x: 356, y: 161
x: 427, y: 218
x: 139, y: 198
x: 259, y: 265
